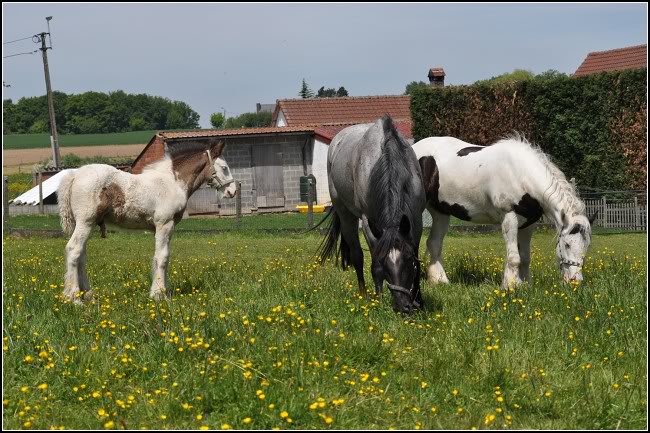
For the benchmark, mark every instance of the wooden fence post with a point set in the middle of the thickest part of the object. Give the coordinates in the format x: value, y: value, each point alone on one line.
x: 238, y: 205
x: 604, y: 211
x: 637, y: 215
x: 310, y: 204
x: 41, y: 207
x: 5, y: 202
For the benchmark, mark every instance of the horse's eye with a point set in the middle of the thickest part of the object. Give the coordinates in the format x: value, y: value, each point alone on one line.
x: 567, y: 245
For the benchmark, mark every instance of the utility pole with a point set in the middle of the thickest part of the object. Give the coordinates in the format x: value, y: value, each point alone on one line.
x: 54, y: 136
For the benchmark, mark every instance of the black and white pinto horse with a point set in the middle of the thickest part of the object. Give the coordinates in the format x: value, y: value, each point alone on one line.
x: 511, y: 183
x: 374, y: 176
x: 155, y: 199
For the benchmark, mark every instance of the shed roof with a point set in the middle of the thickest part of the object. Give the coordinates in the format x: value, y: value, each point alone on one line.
x: 207, y: 133
x: 635, y: 57
x: 344, y: 110
x: 50, y: 186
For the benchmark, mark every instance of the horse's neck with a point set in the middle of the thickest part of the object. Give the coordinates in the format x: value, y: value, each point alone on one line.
x: 559, y: 200
x: 192, y: 174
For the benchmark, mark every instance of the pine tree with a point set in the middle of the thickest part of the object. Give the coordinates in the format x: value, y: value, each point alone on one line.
x: 305, y: 91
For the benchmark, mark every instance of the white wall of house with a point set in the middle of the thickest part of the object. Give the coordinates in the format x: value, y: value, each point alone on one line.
x: 280, y: 121
x: 319, y: 170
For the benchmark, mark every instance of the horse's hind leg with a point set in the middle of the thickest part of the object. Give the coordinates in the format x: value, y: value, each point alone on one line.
x: 439, y: 227
x: 161, y: 258
x: 84, y: 284
x: 510, y: 228
x: 523, y: 241
x: 74, y: 251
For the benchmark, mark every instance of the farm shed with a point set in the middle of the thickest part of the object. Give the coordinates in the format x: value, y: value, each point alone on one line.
x: 635, y: 57
x: 267, y: 161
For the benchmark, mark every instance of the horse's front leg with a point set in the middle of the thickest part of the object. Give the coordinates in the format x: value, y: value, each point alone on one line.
x: 510, y: 227
x: 377, y: 276
x: 523, y: 239
x: 439, y: 227
x: 161, y: 258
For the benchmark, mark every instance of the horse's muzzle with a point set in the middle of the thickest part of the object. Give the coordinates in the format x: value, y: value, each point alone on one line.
x: 403, y: 301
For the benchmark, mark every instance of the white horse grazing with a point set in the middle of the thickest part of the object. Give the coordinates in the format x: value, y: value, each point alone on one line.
x: 510, y: 183
x: 155, y: 199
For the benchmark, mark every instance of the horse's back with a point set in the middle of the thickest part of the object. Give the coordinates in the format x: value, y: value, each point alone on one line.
x: 485, y: 181
x: 350, y: 159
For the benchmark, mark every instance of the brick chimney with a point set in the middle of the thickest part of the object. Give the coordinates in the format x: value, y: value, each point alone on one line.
x: 437, y: 77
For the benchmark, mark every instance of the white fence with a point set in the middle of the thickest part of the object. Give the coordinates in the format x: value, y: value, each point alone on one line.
x: 625, y: 214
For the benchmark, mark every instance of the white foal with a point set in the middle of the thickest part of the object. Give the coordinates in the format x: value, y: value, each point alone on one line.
x: 510, y: 183
x: 155, y: 199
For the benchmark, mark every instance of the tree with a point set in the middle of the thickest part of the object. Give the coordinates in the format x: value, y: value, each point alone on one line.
x: 509, y: 77
x: 217, y: 120
x: 96, y: 112
x: 331, y: 93
x: 414, y: 85
x: 249, y: 120
x: 551, y: 74
x: 326, y: 93
x: 305, y: 91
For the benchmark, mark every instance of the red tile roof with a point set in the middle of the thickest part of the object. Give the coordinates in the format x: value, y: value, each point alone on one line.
x: 173, y: 135
x: 349, y: 110
x: 614, y: 60
x: 327, y: 132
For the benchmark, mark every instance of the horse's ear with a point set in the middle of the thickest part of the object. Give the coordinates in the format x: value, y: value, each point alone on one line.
x: 405, y: 226
x: 593, y: 218
x: 216, y: 148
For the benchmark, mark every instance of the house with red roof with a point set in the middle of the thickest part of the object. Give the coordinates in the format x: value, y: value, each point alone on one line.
x: 635, y: 57
x: 328, y: 116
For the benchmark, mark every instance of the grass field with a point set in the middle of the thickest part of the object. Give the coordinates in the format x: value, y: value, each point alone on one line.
x: 270, y: 221
x: 258, y: 336
x: 31, y: 141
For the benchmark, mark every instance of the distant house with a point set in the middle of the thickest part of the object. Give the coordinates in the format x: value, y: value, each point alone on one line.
x: 264, y: 108
x: 635, y: 57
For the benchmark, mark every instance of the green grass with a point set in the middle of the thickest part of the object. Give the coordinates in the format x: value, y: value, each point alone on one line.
x: 32, y: 141
x: 18, y: 184
x: 253, y: 316
x: 294, y: 221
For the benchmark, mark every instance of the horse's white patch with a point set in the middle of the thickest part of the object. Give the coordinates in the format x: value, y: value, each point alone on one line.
x: 393, y: 255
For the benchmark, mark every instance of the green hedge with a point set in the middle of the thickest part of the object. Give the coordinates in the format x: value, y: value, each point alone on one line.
x: 594, y: 127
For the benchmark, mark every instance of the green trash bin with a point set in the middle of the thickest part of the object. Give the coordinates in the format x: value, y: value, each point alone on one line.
x: 304, y: 188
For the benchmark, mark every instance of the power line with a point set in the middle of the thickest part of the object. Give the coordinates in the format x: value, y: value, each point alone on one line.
x: 21, y: 54
x: 18, y: 40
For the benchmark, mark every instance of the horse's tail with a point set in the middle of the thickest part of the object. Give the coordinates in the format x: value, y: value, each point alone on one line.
x: 327, y: 247
x: 64, y: 198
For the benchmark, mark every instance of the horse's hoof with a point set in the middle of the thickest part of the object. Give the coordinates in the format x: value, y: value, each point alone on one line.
x: 438, y: 280
x: 73, y: 296
x: 158, y: 296
x: 88, y: 296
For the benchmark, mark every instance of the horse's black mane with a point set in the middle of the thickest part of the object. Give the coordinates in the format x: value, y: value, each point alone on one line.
x: 390, y: 190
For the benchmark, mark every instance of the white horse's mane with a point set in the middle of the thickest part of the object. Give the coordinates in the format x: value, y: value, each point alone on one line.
x: 568, y: 198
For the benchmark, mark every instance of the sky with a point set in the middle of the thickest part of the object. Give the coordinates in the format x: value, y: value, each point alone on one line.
x: 231, y: 56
